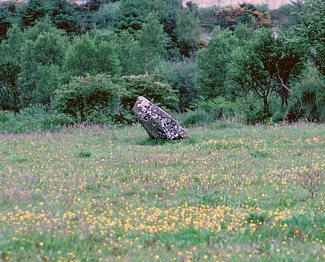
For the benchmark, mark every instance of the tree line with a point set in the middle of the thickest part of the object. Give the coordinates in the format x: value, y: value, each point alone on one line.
x: 89, y: 63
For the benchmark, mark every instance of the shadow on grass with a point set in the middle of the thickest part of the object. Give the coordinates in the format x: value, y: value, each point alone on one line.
x: 159, y: 142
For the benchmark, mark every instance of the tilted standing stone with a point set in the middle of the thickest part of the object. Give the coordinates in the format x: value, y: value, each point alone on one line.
x: 157, y: 122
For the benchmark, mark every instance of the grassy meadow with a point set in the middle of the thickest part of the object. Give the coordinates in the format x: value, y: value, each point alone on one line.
x: 228, y: 193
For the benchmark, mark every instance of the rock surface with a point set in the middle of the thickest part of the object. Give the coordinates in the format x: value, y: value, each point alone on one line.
x: 158, y: 123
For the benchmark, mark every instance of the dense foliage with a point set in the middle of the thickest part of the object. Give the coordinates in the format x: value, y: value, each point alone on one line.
x: 244, y: 62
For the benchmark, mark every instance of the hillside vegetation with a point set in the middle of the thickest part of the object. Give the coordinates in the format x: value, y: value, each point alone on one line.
x: 229, y: 192
x: 64, y: 64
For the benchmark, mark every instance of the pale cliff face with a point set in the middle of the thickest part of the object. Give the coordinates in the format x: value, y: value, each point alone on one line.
x: 273, y: 4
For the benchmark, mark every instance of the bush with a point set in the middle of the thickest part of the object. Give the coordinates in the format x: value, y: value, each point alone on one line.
x: 31, y: 119
x: 219, y: 107
x: 181, y: 76
x: 151, y: 87
x: 5, y: 116
x: 54, y: 121
x: 197, y: 117
x: 308, y: 102
x: 249, y: 109
x: 92, y: 99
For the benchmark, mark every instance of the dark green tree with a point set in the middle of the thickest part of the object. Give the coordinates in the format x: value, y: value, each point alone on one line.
x: 181, y: 75
x: 81, y: 56
x: 42, y: 57
x: 106, y: 14
x: 188, y: 33
x: 244, y: 33
x: 193, y: 8
x: 130, y: 54
x: 213, y: 64
x: 289, y: 54
x: 172, y: 11
x: 10, y: 67
x: 64, y: 16
x: 313, y: 17
x: 152, y: 43
x: 5, y: 22
x: 133, y: 14
x: 93, y: 53
x: 33, y: 10
x: 250, y: 71
x: 267, y: 65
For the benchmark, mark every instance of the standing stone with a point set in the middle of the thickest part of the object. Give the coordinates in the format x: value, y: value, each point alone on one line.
x: 157, y: 122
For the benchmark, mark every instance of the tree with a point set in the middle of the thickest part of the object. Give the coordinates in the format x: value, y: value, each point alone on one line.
x: 42, y: 26
x: 64, y: 16
x: 152, y: 42
x: 267, y: 65
x: 93, y: 53
x: 130, y: 54
x: 314, y: 31
x: 10, y: 69
x: 208, y: 18
x: 133, y: 14
x: 33, y: 10
x: 310, y: 89
x: 181, y: 76
x: 250, y: 71
x: 213, y: 64
x: 244, y: 33
x: 93, y: 5
x: 5, y: 22
x: 172, y: 10
x: 42, y: 57
x: 108, y: 60
x: 106, y: 14
x: 193, y: 8
x: 62, y: 13
x: 188, y: 33
x: 81, y: 56
x: 289, y: 58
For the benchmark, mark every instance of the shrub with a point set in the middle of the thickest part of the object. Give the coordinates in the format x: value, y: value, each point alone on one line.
x: 5, y: 116
x: 219, y: 107
x: 197, y: 117
x: 54, y: 121
x: 89, y: 99
x: 151, y: 87
x: 181, y: 76
x: 308, y: 102
x: 250, y: 109
x: 32, y: 118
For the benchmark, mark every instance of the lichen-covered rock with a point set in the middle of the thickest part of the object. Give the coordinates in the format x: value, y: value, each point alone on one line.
x: 157, y: 122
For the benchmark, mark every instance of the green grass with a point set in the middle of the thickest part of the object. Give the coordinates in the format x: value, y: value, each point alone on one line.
x: 229, y: 192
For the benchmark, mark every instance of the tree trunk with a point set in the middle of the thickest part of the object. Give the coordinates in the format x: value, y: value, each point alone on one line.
x: 266, y: 106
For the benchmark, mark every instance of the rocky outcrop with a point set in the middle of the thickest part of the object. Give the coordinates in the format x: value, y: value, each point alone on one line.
x: 158, y: 123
